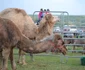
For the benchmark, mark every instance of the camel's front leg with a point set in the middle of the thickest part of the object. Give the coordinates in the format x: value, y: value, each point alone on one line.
x: 12, y: 60
x: 23, y: 60
x: 5, y: 54
x: 31, y: 55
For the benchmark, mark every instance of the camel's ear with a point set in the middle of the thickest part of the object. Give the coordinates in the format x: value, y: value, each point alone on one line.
x: 48, y: 16
x: 57, y: 37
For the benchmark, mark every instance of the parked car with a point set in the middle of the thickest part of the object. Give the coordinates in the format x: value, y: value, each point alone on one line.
x: 66, y: 28
x: 68, y: 35
x: 57, y: 29
x: 81, y: 33
x: 69, y: 30
x: 73, y: 29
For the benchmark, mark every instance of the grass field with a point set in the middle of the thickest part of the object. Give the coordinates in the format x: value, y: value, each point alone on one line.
x: 50, y: 62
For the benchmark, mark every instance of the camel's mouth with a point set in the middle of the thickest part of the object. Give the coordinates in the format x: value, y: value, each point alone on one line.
x: 63, y: 49
x: 56, y: 19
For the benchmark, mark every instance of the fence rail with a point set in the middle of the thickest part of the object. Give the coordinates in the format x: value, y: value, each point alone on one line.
x: 74, y: 38
x: 75, y: 44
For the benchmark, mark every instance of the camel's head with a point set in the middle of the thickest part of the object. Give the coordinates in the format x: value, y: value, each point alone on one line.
x: 50, y: 18
x: 45, y: 27
x: 59, y: 44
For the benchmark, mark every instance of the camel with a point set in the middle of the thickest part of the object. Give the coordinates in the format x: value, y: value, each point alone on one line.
x: 11, y: 36
x: 26, y: 25
x: 48, y: 44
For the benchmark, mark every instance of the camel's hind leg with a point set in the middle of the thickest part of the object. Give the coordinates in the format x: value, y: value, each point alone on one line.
x: 13, y: 64
x: 21, y: 59
x: 5, y: 54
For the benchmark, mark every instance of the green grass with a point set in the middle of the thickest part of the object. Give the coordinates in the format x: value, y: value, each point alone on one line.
x: 49, y: 62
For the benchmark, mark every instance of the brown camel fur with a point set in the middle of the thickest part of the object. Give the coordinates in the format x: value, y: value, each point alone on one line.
x: 48, y: 44
x: 26, y: 25
x: 10, y: 35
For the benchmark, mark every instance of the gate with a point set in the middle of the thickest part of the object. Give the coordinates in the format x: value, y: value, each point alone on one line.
x: 64, y: 17
x: 60, y: 14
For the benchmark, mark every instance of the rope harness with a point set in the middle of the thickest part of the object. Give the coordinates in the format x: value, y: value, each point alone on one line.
x: 55, y: 47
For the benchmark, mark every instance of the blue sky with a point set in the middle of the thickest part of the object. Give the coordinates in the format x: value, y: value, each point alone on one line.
x: 74, y: 7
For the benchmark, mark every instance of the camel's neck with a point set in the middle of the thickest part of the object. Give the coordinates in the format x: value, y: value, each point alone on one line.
x: 36, y: 46
x: 41, y: 47
x: 44, y: 31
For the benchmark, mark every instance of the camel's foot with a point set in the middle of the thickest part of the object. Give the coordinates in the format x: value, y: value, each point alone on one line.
x: 24, y: 63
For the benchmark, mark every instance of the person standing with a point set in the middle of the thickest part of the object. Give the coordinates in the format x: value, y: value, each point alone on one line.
x: 40, y: 16
x: 44, y: 12
x: 48, y: 11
